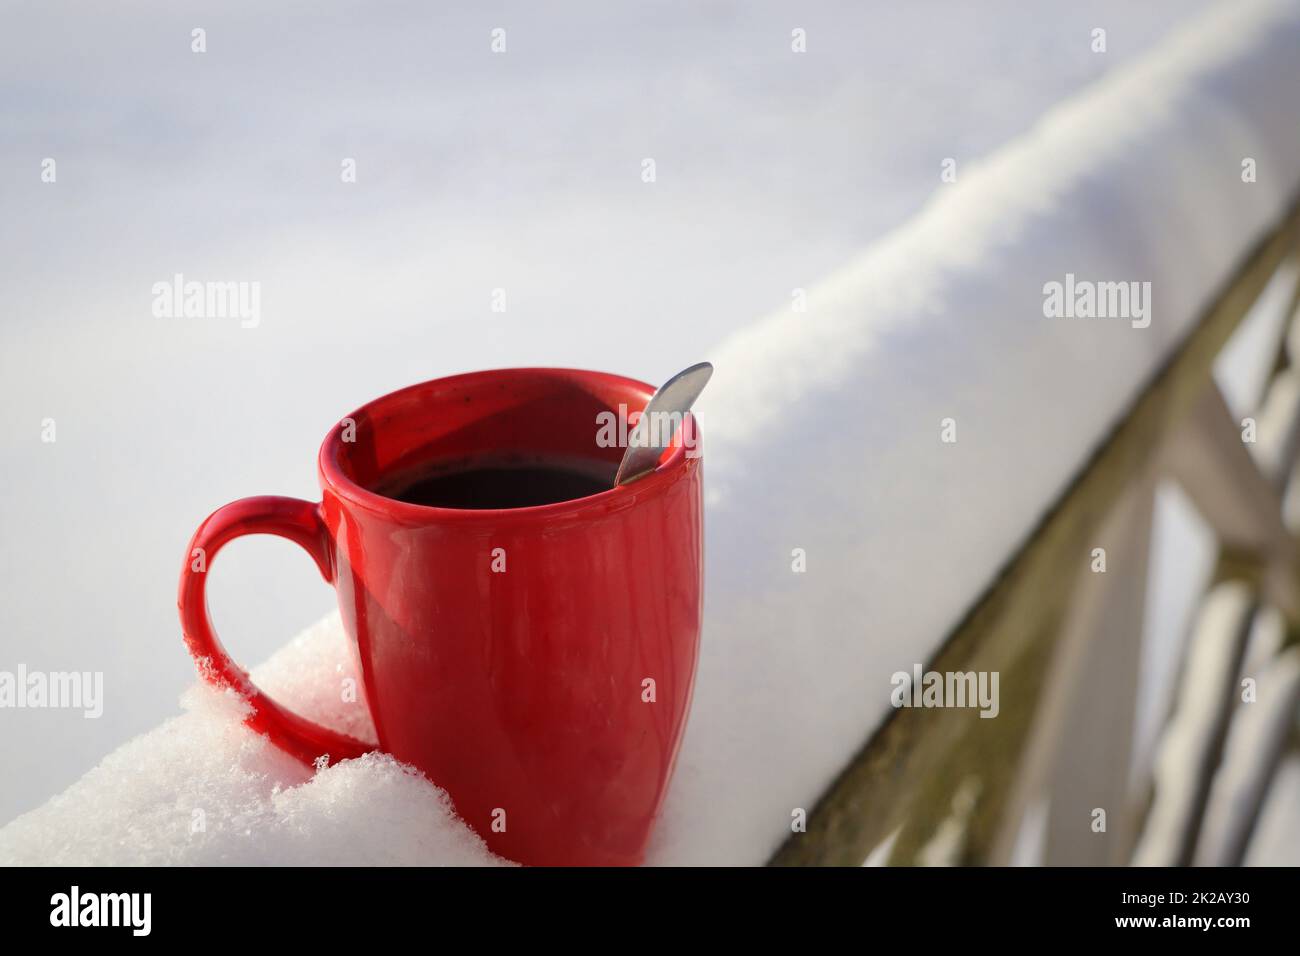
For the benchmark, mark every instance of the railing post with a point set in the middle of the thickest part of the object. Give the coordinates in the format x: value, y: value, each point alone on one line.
x: 1079, y: 751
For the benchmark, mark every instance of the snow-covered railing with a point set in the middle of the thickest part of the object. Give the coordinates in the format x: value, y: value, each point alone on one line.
x: 1052, y: 780
x: 847, y: 540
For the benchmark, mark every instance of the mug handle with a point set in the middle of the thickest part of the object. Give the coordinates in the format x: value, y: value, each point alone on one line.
x: 301, y: 522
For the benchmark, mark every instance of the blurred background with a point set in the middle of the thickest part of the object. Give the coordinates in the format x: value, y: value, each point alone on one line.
x: 476, y: 171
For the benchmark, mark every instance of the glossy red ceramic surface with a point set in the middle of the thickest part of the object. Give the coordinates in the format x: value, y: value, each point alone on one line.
x: 522, y: 691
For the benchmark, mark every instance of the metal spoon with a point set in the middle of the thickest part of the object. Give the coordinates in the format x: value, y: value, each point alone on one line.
x: 668, y: 406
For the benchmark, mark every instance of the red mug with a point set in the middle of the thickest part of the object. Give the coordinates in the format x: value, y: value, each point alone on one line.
x: 537, y: 663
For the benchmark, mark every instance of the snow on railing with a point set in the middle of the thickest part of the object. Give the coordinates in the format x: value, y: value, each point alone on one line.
x: 824, y: 443
x: 1051, y: 781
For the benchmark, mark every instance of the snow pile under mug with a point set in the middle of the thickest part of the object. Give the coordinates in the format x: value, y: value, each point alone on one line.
x: 204, y: 789
x: 1138, y: 178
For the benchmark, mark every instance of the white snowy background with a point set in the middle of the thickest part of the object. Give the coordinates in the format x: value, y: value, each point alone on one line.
x: 475, y: 171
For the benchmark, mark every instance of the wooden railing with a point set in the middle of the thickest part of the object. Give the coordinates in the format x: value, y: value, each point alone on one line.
x: 943, y: 786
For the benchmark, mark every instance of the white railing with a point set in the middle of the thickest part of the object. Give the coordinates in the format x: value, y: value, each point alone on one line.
x: 1053, y: 780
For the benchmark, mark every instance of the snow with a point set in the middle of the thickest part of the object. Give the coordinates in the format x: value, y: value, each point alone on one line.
x: 475, y: 171
x: 943, y: 319
x: 203, y: 789
x: 940, y: 318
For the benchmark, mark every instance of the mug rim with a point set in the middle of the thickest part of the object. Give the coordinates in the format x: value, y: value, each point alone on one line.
x: 675, y: 466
